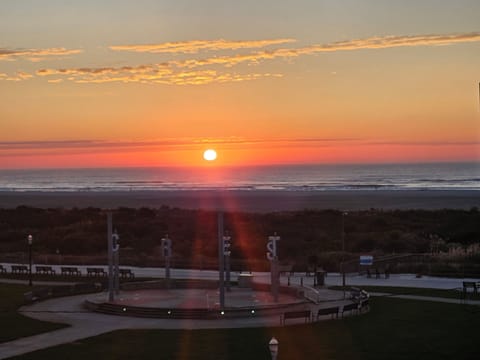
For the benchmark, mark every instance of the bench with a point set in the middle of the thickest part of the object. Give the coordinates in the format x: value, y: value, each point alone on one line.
x: 328, y: 311
x: 353, y: 307
x: 467, y: 285
x: 2, y: 269
x: 44, y: 270
x: 126, y: 273
x: 96, y: 272
x: 302, y: 314
x: 357, y: 294
x: 310, y: 271
x: 364, y: 306
x: 69, y: 270
x: 19, y: 269
x: 285, y: 270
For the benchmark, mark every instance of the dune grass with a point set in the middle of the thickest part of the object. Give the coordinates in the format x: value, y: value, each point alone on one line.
x: 393, y: 329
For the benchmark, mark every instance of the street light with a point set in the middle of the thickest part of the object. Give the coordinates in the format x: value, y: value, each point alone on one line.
x: 30, y: 240
x: 343, y: 251
x: 167, y: 254
x: 273, y: 346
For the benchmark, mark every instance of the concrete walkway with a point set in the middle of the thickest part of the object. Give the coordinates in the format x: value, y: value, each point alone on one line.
x: 84, y: 324
x: 403, y: 280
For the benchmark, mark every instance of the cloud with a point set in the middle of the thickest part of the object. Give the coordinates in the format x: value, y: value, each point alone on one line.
x: 19, y: 76
x: 153, y: 73
x: 35, y: 54
x: 384, y: 42
x: 62, y: 147
x: 19, y: 148
x: 188, y: 72
x: 194, y: 46
x: 348, y: 45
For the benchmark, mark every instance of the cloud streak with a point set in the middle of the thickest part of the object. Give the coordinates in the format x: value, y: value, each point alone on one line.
x: 200, y: 71
x: 194, y: 46
x: 36, y: 54
x: 153, y: 73
x: 24, y: 148
x: 28, y: 148
x: 349, y: 45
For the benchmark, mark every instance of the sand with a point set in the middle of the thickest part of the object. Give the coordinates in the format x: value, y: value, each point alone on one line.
x: 249, y: 201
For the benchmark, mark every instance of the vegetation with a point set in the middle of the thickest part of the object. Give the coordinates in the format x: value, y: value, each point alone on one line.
x: 396, y: 290
x: 15, y: 325
x: 305, y: 236
x: 393, y: 329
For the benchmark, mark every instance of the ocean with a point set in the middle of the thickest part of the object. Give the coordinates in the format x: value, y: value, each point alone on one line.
x: 431, y: 176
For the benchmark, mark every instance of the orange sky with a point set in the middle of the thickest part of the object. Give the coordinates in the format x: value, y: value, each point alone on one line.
x: 310, y: 82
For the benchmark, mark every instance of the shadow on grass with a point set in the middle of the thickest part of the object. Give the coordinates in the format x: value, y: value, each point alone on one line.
x: 393, y: 329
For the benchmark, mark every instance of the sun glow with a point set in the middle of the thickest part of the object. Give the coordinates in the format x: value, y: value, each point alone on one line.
x: 210, y: 155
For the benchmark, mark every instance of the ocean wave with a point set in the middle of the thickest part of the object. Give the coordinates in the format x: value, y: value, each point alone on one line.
x: 285, y: 178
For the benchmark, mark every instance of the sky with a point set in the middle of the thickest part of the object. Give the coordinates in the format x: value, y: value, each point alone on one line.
x: 155, y: 83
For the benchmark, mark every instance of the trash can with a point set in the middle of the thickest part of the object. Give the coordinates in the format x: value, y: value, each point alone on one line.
x: 321, y: 278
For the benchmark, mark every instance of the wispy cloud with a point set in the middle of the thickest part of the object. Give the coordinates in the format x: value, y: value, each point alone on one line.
x: 21, y: 148
x: 348, y: 45
x: 198, y: 71
x: 379, y: 42
x: 24, y: 148
x: 35, y: 54
x: 18, y: 76
x: 194, y: 46
x: 153, y: 73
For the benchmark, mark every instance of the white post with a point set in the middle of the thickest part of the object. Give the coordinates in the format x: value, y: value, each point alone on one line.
x: 273, y: 346
x: 273, y: 257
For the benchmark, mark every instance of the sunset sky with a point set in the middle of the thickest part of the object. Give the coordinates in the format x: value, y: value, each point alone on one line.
x: 155, y: 83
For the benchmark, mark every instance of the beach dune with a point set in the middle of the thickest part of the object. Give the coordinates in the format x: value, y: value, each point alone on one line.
x: 249, y: 201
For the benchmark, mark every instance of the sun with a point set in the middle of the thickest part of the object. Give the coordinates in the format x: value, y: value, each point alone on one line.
x: 209, y: 154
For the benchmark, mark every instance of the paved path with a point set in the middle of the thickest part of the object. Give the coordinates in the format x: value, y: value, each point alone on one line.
x: 404, y: 280
x: 84, y: 324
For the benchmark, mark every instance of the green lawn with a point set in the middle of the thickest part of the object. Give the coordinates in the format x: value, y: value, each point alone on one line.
x: 445, y: 293
x: 14, y: 325
x: 393, y: 329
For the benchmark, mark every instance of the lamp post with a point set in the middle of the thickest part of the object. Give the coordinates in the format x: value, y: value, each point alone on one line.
x: 221, y: 261
x: 167, y: 254
x: 343, y: 252
x: 273, y: 346
x: 30, y: 241
x: 111, y: 282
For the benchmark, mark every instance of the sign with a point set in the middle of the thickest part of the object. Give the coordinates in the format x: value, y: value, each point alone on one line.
x: 366, y: 260
x: 272, y: 247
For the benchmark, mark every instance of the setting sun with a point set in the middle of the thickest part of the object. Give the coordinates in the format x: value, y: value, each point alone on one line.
x: 210, y: 155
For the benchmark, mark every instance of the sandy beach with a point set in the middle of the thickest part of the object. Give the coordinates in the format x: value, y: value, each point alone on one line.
x: 248, y: 201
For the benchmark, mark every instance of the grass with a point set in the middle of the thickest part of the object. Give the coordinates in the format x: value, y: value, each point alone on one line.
x: 14, y: 325
x: 444, y: 293
x: 393, y: 329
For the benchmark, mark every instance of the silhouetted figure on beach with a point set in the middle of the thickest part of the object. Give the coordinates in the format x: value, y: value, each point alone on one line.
x: 377, y: 273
